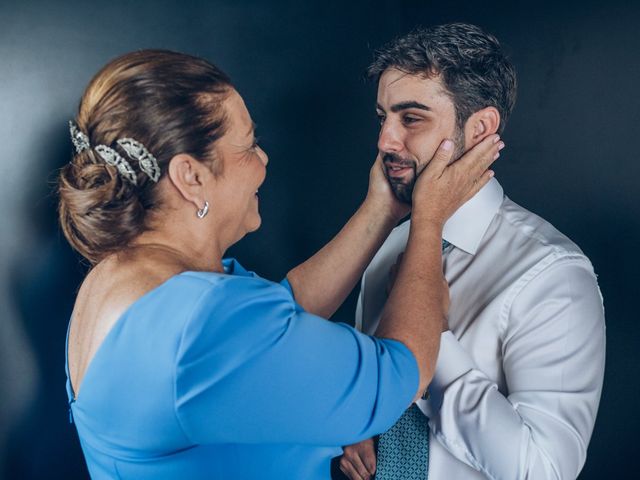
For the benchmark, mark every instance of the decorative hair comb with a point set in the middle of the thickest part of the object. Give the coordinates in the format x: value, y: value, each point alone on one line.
x: 135, y: 150
x: 110, y: 156
x: 80, y: 140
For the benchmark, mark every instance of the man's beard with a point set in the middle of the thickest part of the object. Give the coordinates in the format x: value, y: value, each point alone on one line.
x: 403, y: 187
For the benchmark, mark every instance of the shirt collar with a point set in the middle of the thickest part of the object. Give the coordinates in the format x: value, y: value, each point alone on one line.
x: 466, y: 227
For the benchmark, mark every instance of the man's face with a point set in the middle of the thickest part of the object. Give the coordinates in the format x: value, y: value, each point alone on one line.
x: 416, y: 115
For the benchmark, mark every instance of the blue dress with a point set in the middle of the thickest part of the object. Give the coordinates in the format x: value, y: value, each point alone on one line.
x: 225, y: 376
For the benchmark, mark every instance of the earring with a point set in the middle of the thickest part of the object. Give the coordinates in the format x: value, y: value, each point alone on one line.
x: 202, y: 212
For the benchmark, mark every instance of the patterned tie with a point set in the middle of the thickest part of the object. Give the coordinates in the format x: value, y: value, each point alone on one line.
x: 403, y: 451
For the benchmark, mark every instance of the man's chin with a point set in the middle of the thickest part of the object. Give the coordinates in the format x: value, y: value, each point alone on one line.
x: 402, y: 192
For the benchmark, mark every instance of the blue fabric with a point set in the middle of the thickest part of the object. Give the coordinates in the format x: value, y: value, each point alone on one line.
x: 223, y: 376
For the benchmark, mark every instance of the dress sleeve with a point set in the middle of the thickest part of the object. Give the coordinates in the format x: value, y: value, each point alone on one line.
x: 254, y: 367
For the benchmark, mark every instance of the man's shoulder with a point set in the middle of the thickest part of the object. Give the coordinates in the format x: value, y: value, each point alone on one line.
x: 515, y: 223
x: 512, y: 223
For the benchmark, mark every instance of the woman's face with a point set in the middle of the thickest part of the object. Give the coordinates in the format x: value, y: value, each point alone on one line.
x: 244, y: 169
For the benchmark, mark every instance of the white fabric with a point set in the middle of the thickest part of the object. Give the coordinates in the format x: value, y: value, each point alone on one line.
x: 519, y: 374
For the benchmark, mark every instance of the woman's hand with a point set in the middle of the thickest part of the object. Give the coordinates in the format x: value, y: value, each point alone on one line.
x: 443, y: 187
x: 381, y: 196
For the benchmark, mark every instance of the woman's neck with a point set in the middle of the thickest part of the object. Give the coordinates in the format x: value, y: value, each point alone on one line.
x: 187, y: 255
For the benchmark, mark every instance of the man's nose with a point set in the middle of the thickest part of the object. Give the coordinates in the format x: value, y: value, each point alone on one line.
x: 390, y: 138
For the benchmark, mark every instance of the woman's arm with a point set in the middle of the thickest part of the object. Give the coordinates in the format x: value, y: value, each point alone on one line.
x: 321, y: 283
x: 416, y: 307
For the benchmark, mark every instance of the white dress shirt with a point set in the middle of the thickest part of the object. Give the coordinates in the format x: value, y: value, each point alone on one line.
x: 519, y: 375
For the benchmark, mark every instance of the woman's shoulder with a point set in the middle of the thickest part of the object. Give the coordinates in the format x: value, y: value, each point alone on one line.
x: 236, y: 288
x: 123, y: 282
x: 120, y: 287
x: 114, y: 286
x: 234, y: 302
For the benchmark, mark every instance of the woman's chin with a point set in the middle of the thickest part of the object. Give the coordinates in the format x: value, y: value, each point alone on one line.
x: 254, y: 224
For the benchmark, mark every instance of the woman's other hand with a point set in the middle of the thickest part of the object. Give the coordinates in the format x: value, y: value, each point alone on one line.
x: 444, y: 186
x: 381, y: 196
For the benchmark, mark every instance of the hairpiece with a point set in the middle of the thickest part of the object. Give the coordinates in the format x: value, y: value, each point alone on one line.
x: 137, y: 151
x: 112, y: 157
x: 79, y: 139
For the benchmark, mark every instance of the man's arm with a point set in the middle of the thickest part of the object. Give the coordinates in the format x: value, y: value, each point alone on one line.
x: 553, y: 361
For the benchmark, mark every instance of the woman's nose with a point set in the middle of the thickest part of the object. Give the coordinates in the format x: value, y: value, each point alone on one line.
x: 263, y: 156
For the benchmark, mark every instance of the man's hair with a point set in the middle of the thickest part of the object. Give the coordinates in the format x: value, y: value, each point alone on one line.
x: 471, y: 65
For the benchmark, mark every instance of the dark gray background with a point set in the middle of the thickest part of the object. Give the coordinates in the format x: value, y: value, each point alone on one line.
x: 571, y: 157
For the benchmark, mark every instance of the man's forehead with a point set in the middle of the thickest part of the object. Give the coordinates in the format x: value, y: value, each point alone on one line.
x: 396, y: 87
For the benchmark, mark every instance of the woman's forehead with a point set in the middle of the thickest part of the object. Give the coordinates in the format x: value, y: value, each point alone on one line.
x: 238, y: 115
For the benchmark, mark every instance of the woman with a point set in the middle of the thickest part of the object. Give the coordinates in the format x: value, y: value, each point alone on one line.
x: 184, y: 365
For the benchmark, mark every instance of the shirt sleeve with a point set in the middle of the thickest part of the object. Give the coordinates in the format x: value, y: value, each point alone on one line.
x: 254, y: 367
x: 553, y: 361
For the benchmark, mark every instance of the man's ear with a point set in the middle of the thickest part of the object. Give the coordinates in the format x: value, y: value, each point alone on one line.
x: 186, y: 174
x: 480, y: 125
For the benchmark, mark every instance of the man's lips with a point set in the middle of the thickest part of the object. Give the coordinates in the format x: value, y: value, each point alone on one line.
x: 397, y: 169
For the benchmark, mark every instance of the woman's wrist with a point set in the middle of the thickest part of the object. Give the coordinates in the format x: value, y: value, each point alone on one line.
x: 426, y: 218
x: 380, y: 213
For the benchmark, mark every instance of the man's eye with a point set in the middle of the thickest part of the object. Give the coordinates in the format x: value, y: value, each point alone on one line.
x: 409, y: 119
x: 381, y: 119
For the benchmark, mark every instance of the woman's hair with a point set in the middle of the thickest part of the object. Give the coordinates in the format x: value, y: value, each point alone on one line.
x: 169, y: 102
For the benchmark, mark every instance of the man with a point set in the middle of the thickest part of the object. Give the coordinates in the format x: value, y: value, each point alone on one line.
x: 520, y: 368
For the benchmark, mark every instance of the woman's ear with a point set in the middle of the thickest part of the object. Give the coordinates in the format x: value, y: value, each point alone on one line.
x: 480, y: 125
x: 186, y: 174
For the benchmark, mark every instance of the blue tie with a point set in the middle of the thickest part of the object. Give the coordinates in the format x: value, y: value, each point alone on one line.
x: 403, y: 451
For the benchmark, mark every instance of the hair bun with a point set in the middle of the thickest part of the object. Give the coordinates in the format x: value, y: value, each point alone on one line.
x: 99, y: 210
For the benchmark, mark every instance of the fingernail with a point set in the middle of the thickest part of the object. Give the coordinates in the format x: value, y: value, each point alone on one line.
x: 495, y: 157
x: 447, y: 145
x: 495, y: 140
x: 491, y: 173
x: 501, y: 146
